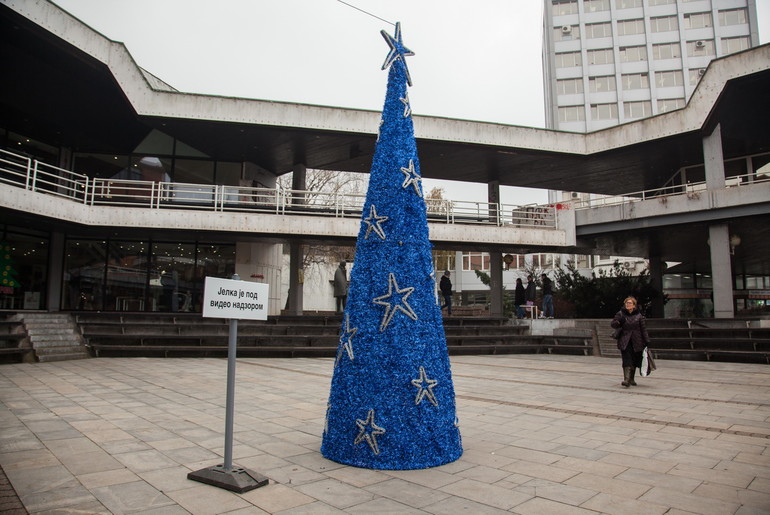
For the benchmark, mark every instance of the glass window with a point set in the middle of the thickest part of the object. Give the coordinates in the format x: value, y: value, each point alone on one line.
x: 670, y: 104
x: 601, y: 84
x: 126, y: 284
x: 663, y: 23
x: 662, y: 2
x: 194, y: 171
x: 732, y: 17
x: 633, y: 54
x: 99, y: 165
x: 695, y: 75
x: 562, y: 7
x: 172, y: 277
x: 567, y: 59
x: 212, y: 260
x: 697, y: 20
x: 732, y: 45
x: 669, y: 79
x: 628, y: 27
x: 598, y: 30
x: 566, y: 32
x: 571, y: 114
x: 228, y: 174
x: 156, y: 142
x: 601, y: 56
x: 85, y: 266
x: 569, y: 86
x: 33, y: 148
x: 24, y: 270
x: 627, y: 4
x: 590, y: 6
x: 604, y: 111
x: 635, y: 81
x: 475, y: 261
x: 666, y: 51
x: 637, y: 109
x: 700, y: 47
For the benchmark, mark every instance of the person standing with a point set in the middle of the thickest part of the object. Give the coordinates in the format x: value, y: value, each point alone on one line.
x: 445, y: 285
x: 341, y: 287
x: 633, y: 338
x: 519, y: 298
x: 531, y: 292
x: 547, y: 297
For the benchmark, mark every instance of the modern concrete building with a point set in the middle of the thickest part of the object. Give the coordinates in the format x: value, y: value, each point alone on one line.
x: 613, y: 61
x: 120, y: 193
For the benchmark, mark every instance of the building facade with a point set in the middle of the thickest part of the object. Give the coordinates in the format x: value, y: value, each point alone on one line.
x: 608, y: 62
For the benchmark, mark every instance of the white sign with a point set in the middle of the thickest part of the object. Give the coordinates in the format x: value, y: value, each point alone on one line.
x: 226, y: 298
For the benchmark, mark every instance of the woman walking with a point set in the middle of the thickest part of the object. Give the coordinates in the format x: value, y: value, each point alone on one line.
x: 632, y: 340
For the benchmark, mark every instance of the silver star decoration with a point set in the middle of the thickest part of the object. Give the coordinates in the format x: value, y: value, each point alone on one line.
x: 407, y: 107
x: 412, y: 177
x: 348, y: 345
x: 435, y: 290
x: 397, y: 51
x: 391, y: 307
x: 326, y: 419
x: 374, y: 226
x: 371, y: 435
x: 379, y: 129
x: 425, y: 387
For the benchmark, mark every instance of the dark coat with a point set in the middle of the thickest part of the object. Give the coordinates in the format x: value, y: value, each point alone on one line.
x: 519, y: 295
x: 633, y: 329
x: 340, y: 282
x: 445, y: 285
x: 531, y: 291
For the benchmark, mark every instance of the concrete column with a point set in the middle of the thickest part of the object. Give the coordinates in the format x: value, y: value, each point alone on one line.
x: 55, y: 271
x: 295, y: 303
x: 721, y: 271
x: 493, y: 197
x: 299, y: 182
x: 496, y: 284
x: 656, y: 279
x: 713, y: 159
x: 261, y: 263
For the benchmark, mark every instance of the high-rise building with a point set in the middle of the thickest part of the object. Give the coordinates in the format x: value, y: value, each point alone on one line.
x: 608, y: 62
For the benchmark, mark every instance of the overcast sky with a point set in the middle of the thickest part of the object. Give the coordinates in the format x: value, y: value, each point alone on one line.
x: 477, y: 60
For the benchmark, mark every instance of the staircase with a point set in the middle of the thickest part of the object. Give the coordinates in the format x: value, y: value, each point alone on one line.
x: 54, y: 336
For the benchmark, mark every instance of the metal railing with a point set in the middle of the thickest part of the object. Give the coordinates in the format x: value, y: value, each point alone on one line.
x: 30, y: 174
x: 692, y: 189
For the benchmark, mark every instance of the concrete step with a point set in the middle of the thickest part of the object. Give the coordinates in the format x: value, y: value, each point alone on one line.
x: 61, y: 357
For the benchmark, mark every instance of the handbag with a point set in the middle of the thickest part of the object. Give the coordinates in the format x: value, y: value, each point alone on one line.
x: 648, y: 364
x: 616, y: 333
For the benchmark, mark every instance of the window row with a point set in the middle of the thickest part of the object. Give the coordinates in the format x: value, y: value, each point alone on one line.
x: 630, y: 81
x: 661, y: 51
x: 657, y: 24
x: 609, y: 111
x: 562, y: 7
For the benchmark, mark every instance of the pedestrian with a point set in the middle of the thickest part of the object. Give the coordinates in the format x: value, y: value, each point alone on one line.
x: 632, y: 338
x: 547, y: 297
x: 519, y: 298
x: 341, y: 286
x: 531, y: 291
x: 445, y: 285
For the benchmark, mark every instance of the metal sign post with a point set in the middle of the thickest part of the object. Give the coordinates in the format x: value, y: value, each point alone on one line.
x: 245, y: 300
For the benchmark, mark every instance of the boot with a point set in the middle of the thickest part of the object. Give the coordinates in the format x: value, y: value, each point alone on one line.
x: 631, y: 376
x: 626, y: 375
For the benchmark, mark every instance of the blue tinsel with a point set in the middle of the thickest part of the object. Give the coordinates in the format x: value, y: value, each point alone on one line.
x: 373, y: 419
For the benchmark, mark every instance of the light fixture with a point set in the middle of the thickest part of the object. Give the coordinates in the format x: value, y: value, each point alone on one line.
x: 735, y: 240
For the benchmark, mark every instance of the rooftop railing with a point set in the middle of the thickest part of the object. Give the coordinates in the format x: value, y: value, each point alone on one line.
x: 32, y: 175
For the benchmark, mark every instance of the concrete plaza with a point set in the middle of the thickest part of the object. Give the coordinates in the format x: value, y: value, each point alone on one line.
x: 541, y: 433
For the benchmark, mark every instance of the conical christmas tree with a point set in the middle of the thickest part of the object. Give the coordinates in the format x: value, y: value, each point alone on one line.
x: 392, y: 402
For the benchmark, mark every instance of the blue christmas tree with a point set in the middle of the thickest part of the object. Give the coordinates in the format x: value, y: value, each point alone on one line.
x: 392, y: 402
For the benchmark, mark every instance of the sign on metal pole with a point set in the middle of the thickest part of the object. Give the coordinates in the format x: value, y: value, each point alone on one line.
x: 233, y: 299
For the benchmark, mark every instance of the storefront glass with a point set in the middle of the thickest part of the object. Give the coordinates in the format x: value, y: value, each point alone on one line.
x: 23, y: 268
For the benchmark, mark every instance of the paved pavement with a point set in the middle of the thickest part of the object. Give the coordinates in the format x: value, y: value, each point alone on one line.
x: 542, y: 434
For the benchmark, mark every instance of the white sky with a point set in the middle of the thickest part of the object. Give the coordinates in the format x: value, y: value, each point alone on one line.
x: 478, y: 60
